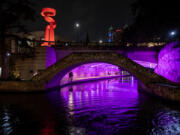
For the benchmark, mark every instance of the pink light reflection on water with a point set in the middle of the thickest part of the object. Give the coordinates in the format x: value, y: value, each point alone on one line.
x: 116, y: 93
x: 146, y: 64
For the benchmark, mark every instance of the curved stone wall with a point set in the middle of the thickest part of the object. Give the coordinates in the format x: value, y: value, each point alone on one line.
x: 169, y: 62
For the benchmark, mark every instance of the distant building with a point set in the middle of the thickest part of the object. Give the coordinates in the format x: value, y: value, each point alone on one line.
x: 151, y: 44
x: 118, y: 35
x: 114, y: 35
x: 38, y: 36
x: 22, y: 45
x: 16, y: 42
x: 110, y: 34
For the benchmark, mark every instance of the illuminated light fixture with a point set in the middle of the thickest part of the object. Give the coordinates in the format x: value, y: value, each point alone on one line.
x: 35, y: 73
x: 151, y: 44
x: 77, y: 25
x: 66, y: 44
x: 8, y: 54
x: 172, y: 33
x: 100, y: 41
x: 118, y: 30
x: 49, y: 37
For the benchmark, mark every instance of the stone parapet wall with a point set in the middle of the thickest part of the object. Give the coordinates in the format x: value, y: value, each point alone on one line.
x: 21, y: 86
x: 27, y: 67
x: 164, y: 91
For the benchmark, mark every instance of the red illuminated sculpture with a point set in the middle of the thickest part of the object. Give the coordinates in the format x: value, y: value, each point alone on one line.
x: 49, y: 38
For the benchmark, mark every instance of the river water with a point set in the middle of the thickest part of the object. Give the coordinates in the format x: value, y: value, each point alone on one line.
x: 106, y: 107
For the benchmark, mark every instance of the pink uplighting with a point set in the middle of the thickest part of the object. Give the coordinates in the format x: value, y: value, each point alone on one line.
x: 169, y: 62
x: 92, y: 71
x: 146, y: 64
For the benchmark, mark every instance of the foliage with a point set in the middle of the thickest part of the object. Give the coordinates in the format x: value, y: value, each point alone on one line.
x: 153, y: 20
x: 13, y: 14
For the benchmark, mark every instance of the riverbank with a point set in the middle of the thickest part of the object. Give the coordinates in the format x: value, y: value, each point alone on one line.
x: 21, y: 86
x: 91, y: 79
x: 163, y: 90
x: 38, y: 86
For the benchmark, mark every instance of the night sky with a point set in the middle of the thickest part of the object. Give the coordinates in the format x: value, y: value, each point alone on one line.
x: 94, y: 16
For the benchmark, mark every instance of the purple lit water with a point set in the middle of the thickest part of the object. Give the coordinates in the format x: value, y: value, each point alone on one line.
x: 106, y: 107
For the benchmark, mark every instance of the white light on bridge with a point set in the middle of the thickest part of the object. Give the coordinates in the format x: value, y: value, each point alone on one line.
x: 100, y: 41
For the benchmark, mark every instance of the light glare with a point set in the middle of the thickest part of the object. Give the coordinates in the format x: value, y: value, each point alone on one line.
x: 77, y: 25
x: 100, y: 41
x: 173, y: 33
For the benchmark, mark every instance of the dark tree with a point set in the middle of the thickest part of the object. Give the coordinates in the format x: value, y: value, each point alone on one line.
x: 13, y: 14
x: 153, y: 20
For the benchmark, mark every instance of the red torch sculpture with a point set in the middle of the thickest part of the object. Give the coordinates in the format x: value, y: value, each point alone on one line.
x: 49, y: 38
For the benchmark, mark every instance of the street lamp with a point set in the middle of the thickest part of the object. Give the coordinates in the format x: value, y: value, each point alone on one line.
x: 8, y: 54
x: 100, y: 41
x: 77, y: 25
x: 172, y: 33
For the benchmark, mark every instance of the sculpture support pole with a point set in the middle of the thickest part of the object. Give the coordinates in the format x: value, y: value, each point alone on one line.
x: 51, y: 32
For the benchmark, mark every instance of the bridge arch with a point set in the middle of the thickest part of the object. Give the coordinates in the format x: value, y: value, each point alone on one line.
x: 53, y: 74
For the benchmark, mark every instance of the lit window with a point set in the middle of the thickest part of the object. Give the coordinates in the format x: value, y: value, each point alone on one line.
x: 110, y: 34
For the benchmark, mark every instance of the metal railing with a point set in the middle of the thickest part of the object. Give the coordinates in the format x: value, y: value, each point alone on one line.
x: 31, y: 44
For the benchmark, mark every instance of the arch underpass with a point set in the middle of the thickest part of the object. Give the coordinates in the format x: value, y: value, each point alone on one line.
x: 52, y: 75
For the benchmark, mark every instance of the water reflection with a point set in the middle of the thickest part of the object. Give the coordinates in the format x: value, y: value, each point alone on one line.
x: 101, y: 104
x: 108, y: 107
x: 6, y: 121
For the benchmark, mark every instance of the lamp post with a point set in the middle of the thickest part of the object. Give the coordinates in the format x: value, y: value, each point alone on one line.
x: 77, y: 25
x: 172, y: 35
x: 100, y: 41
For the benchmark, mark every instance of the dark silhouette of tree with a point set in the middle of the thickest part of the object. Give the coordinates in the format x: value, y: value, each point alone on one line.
x: 13, y: 14
x: 153, y: 20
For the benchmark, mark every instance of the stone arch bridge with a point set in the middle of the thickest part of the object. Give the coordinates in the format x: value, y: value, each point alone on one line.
x: 52, y: 75
x: 148, y: 81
